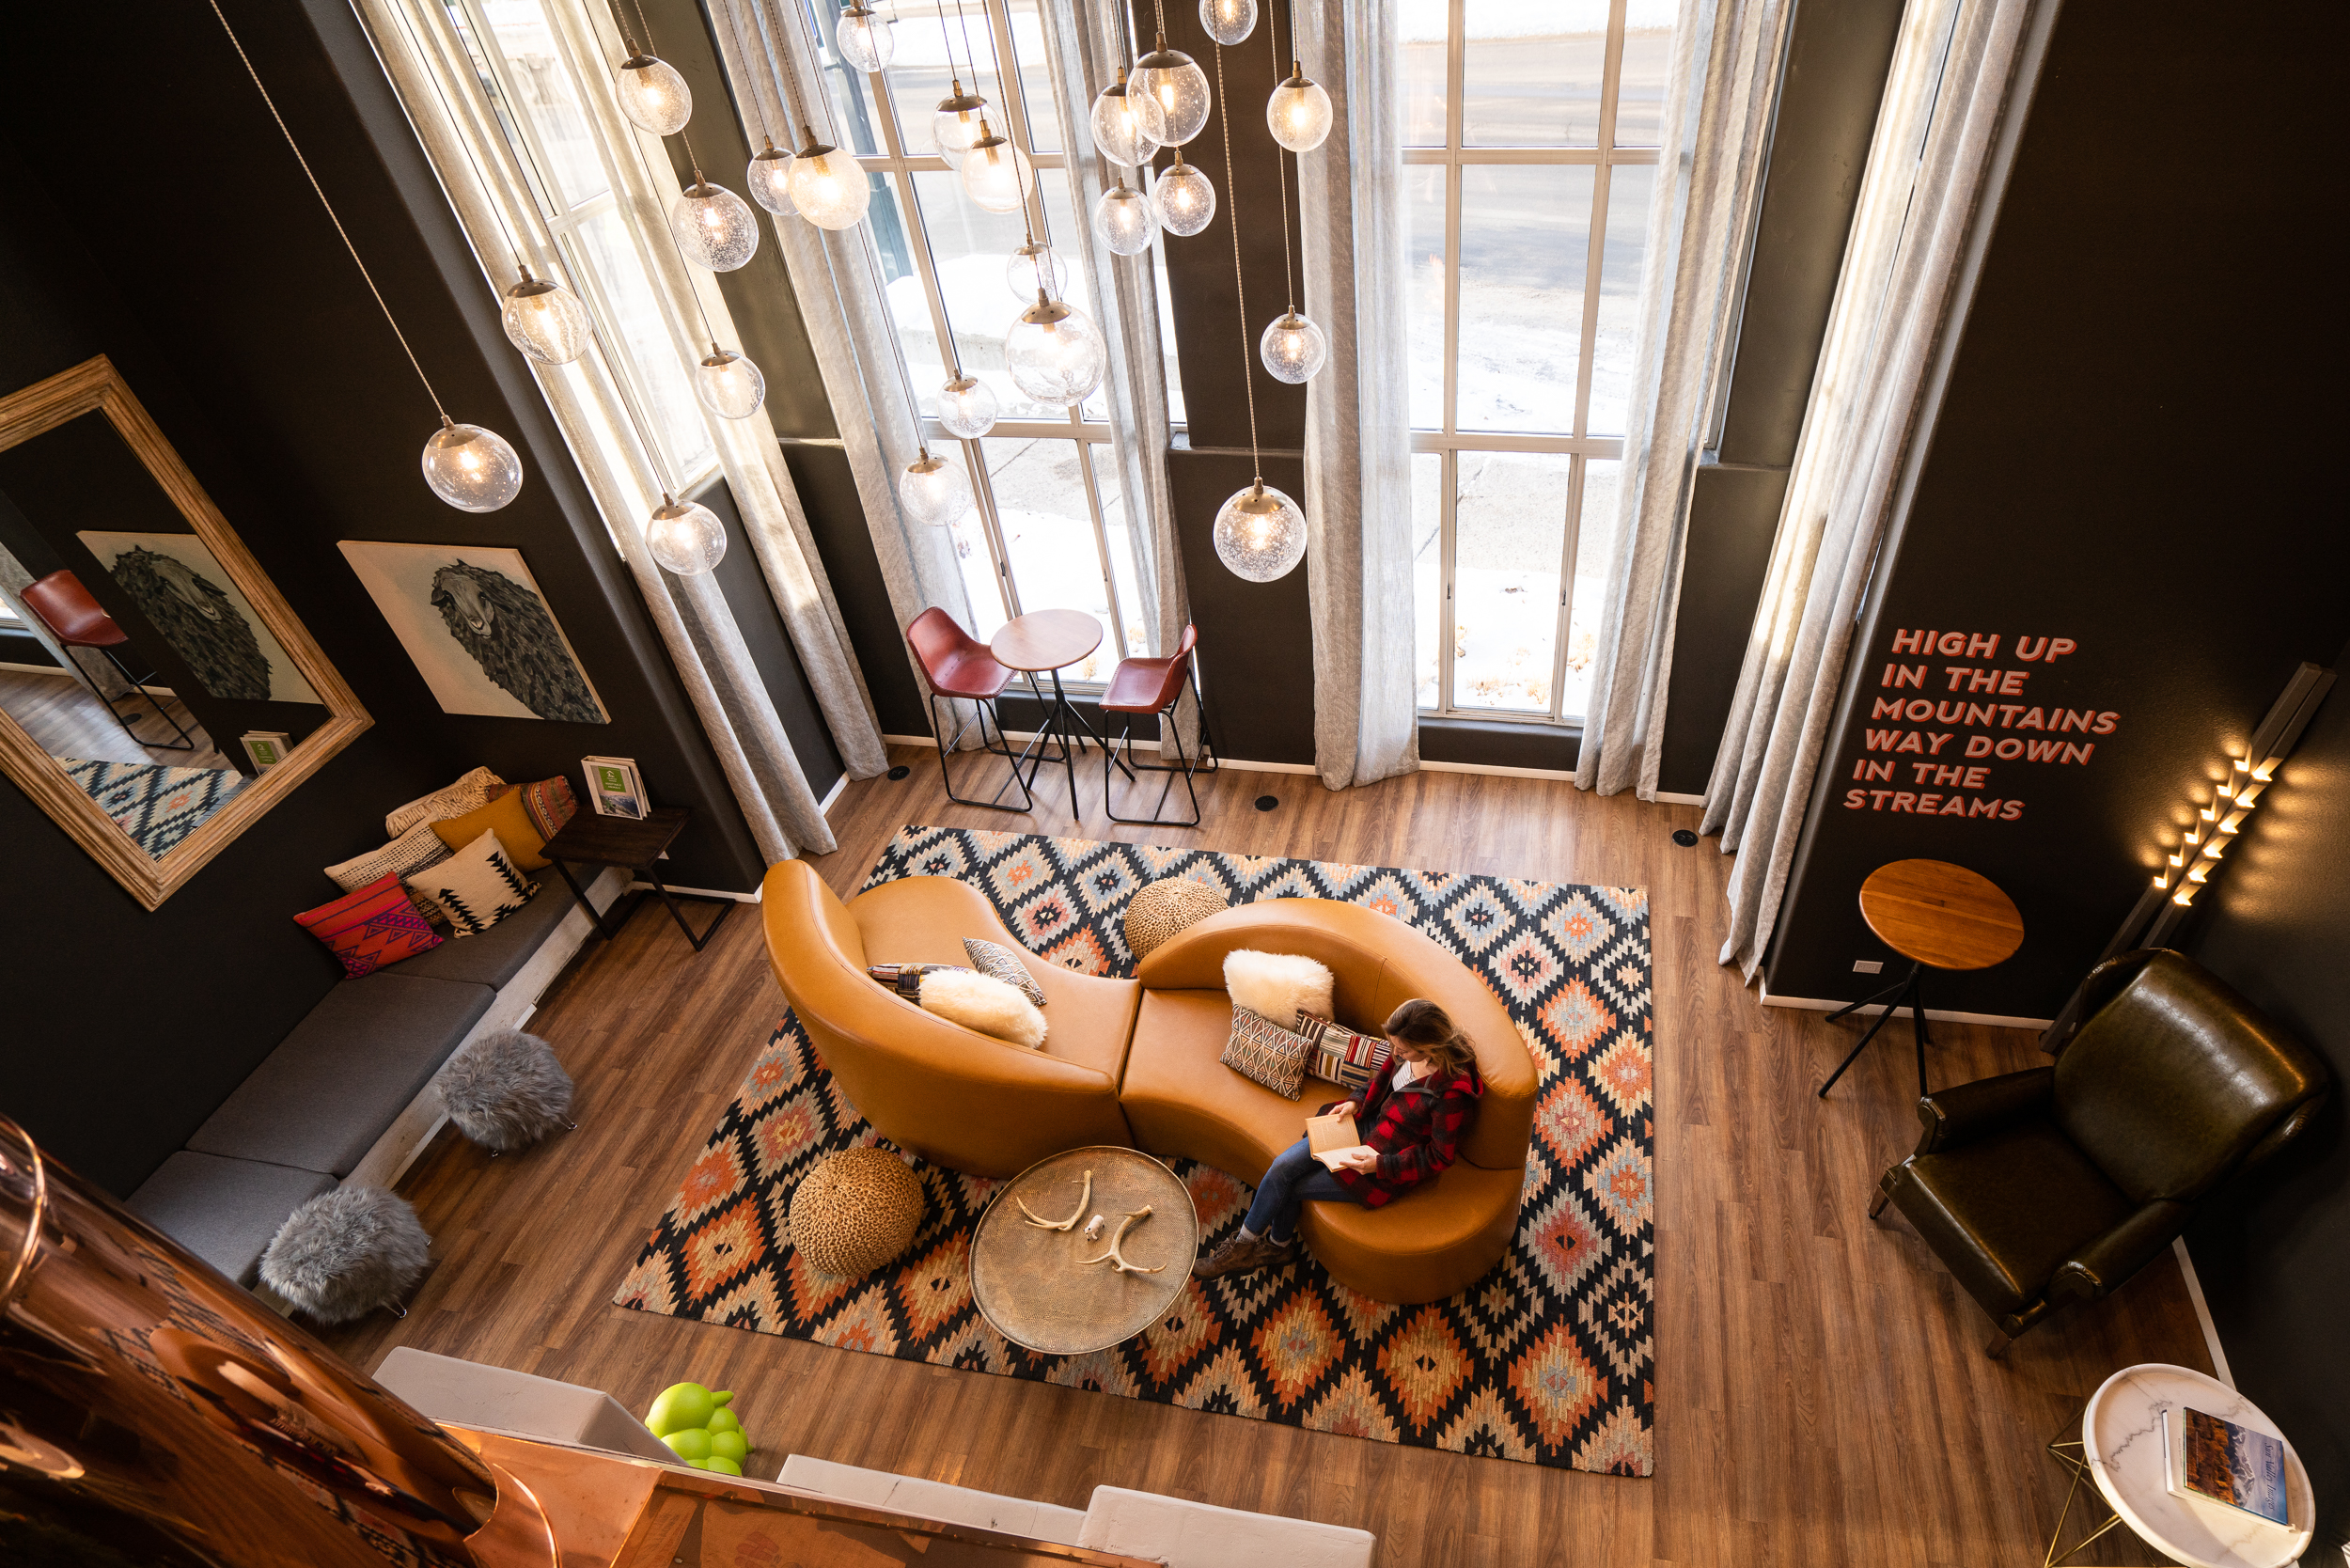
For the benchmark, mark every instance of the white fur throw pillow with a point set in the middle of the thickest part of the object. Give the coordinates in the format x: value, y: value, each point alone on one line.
x: 1277, y: 986
x: 989, y: 1006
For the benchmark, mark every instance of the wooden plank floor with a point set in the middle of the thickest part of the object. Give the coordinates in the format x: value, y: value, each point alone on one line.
x: 64, y: 720
x: 1822, y: 1394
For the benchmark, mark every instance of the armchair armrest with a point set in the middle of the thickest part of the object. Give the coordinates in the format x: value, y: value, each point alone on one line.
x: 1964, y: 1112
x: 2096, y: 1269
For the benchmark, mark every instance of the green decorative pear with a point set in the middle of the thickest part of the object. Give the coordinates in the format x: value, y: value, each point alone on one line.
x: 722, y: 1420
x: 728, y: 1446
x: 725, y: 1466
x: 691, y: 1444
x: 681, y: 1405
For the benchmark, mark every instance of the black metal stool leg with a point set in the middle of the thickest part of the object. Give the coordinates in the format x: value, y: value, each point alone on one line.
x: 947, y: 745
x: 1186, y: 765
x: 186, y: 741
x: 1909, y: 994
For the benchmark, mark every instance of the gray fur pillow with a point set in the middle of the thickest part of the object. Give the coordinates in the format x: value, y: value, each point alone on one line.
x: 997, y: 962
x: 505, y: 1089
x: 347, y: 1252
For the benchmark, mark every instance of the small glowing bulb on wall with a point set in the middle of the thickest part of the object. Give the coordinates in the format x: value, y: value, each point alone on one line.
x: 2198, y: 873
x: 2184, y: 897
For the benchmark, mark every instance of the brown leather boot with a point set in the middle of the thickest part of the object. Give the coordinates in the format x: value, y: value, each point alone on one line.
x: 1243, y: 1255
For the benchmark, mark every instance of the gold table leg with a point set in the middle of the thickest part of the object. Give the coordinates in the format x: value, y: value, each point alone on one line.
x: 2073, y: 1458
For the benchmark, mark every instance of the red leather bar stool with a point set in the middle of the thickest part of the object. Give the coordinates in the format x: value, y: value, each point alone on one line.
x: 1140, y: 686
x: 77, y: 620
x: 955, y: 666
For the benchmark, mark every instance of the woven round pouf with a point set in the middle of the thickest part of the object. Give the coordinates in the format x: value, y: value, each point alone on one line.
x: 1163, y: 908
x: 855, y: 1212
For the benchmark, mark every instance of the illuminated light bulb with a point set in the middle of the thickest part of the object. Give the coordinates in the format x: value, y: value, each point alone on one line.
x: 1298, y: 112
x: 2232, y: 820
x: 1127, y: 125
x: 2242, y: 764
x: 967, y: 407
x: 2184, y: 897
x: 2262, y: 772
x: 471, y: 468
x: 2163, y: 881
x: 1260, y: 534
x: 545, y: 321
x: 2198, y: 872
x: 864, y: 40
x: 996, y: 175
x: 1125, y: 220
x: 769, y: 180
x: 2211, y: 851
x: 729, y: 384
x: 1229, y: 22
x: 1292, y: 348
x: 1175, y: 79
x: 956, y: 126
x: 713, y: 226
x: 652, y: 95
x: 684, y: 537
x: 1034, y: 266
x: 1056, y: 355
x: 2178, y: 857
x: 1182, y: 199
x: 827, y: 187
x: 933, y: 491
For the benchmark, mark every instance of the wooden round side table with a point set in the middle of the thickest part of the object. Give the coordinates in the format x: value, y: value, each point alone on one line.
x: 1938, y: 916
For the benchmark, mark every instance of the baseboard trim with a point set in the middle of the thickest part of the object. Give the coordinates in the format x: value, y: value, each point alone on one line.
x: 1934, y: 1015
x: 1243, y: 765
x: 834, y: 794
x: 2203, y: 1312
x: 1497, y: 770
x: 37, y: 669
x: 1668, y: 799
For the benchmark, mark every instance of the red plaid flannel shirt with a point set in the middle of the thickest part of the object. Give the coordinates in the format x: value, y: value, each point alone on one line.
x: 1417, y: 1131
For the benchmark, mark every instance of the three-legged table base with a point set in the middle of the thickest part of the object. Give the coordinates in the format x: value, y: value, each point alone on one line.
x: 1908, y: 993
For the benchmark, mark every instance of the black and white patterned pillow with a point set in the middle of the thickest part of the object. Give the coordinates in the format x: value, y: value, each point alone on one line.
x: 1262, y: 1050
x: 997, y: 962
x: 477, y: 887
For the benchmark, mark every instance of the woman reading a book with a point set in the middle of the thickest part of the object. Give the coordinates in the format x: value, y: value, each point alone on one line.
x: 1417, y: 1110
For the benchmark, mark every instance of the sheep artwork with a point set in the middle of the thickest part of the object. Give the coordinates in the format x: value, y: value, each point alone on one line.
x: 508, y: 630
x: 196, y: 617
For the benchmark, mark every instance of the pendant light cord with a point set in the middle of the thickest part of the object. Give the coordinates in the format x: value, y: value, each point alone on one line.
x: 1240, y: 288
x: 332, y: 217
x: 759, y: 110
x: 1281, y: 163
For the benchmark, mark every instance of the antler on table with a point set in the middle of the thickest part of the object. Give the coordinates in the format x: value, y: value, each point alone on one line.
x: 1083, y: 1202
x: 1116, y: 1258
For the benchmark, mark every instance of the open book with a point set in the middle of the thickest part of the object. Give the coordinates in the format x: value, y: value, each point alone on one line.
x: 1332, y: 1138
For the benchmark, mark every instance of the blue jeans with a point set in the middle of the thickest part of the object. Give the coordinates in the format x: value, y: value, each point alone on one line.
x: 1294, y: 1180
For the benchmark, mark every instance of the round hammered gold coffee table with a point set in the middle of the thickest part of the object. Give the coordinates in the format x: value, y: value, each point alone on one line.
x: 1033, y: 1285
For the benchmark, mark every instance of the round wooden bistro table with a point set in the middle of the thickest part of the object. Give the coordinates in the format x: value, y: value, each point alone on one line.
x: 1938, y: 916
x: 1041, y: 641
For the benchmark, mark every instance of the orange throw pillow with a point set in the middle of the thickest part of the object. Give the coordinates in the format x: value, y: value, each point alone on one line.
x: 507, y: 816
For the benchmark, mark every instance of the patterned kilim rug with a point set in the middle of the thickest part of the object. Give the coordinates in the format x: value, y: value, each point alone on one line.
x: 157, y: 805
x: 1547, y: 1360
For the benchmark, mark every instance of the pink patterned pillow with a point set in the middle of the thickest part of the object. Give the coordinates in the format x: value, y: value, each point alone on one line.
x: 370, y: 928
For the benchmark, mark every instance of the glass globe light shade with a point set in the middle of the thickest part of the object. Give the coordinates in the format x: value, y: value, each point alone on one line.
x: 545, y: 321
x: 1175, y: 79
x: 967, y: 408
x: 471, y: 468
x: 1125, y: 220
x: 1229, y: 22
x: 1056, y: 355
x: 933, y: 491
x: 828, y: 188
x: 1126, y: 125
x: 1292, y: 348
x: 1260, y: 534
x: 1298, y: 112
x: 684, y: 537
x: 714, y: 227
x: 1034, y: 266
x: 1182, y: 199
x: 729, y: 384
x: 652, y: 95
x: 956, y: 126
x: 997, y: 175
x: 769, y: 180
x: 864, y: 40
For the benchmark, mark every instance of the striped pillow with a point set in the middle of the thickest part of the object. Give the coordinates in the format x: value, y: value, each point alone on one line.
x: 549, y: 805
x: 1342, y: 1056
x: 370, y: 928
x: 1266, y: 1052
x: 479, y: 885
x: 404, y: 856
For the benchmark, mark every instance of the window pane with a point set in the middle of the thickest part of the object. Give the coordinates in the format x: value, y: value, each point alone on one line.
x: 1531, y: 75
x: 1175, y: 417
x: 909, y: 306
x: 1423, y: 217
x: 920, y: 74
x: 1048, y: 537
x: 1072, y: 242
x: 656, y: 367
x: 1510, y: 529
x: 1427, y: 569
x: 857, y: 124
x: 549, y: 98
x: 980, y: 580
x: 1594, y: 551
x: 1648, y: 50
x: 1629, y: 188
x: 1117, y: 524
x: 1524, y: 234
x: 1421, y: 26
x: 1036, y: 76
x: 971, y: 247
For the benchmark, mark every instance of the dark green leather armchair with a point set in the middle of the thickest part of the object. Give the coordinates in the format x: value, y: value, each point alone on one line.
x: 2060, y: 1183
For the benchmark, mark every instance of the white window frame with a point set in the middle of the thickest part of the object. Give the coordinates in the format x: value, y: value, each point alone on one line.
x: 1448, y: 440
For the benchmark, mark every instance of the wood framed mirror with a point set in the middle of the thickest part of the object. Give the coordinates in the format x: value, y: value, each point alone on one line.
x: 157, y: 695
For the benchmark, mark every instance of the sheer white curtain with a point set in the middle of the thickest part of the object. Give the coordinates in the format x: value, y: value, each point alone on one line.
x: 1359, y: 477
x: 1717, y: 143
x: 1926, y: 198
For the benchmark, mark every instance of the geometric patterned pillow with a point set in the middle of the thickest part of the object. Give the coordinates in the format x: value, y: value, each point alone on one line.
x: 404, y: 856
x: 477, y: 788
x: 549, y: 805
x: 1262, y: 1050
x: 1342, y: 1056
x: 478, y: 887
x: 997, y: 962
x: 370, y: 928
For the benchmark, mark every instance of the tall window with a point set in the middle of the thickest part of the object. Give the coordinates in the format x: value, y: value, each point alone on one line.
x: 1531, y: 137
x: 1052, y: 529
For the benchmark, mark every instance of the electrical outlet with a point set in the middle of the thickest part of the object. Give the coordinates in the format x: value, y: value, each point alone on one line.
x: 1868, y: 965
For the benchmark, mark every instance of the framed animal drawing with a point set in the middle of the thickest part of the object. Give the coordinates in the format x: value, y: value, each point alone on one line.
x: 180, y: 588
x: 481, y: 635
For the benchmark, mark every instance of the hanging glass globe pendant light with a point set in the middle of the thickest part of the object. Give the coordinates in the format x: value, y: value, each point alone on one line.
x: 729, y: 384
x: 1033, y: 266
x: 1125, y: 220
x: 471, y: 468
x: 1260, y: 534
x: 966, y: 407
x: 1182, y: 199
x: 956, y: 125
x: 769, y: 180
x: 1175, y: 79
x: 713, y: 226
x: 1056, y: 355
x: 1292, y: 348
x: 684, y: 537
x: 863, y: 38
x: 1126, y: 125
x: 1298, y: 112
x: 933, y: 491
x: 827, y: 187
x: 545, y: 321
x: 995, y: 174
x: 1229, y: 22
x: 652, y: 95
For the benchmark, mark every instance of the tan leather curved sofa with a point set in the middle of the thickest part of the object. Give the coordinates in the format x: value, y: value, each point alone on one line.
x: 1428, y: 1245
